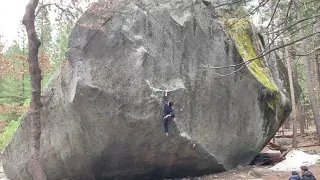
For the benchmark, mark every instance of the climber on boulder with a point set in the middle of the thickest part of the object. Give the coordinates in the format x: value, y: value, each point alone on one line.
x: 168, y: 112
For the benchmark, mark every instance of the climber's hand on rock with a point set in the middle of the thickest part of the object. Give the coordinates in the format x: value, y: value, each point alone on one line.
x: 166, y: 92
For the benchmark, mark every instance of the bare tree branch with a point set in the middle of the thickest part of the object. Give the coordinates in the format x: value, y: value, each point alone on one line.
x: 289, y: 7
x: 304, y: 3
x: 295, y: 23
x: 245, y: 63
x: 287, y: 13
x: 233, y: 72
x: 297, y: 30
x: 311, y: 52
x: 66, y: 10
x: 274, y: 12
x: 284, y: 29
x: 261, y: 4
x: 42, y: 7
x: 231, y: 3
x: 283, y: 58
x: 282, y: 46
x: 223, y: 67
x: 287, y: 16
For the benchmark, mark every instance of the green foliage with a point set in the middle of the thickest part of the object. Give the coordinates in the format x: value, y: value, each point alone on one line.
x: 62, y: 43
x: 14, y: 92
x: 27, y: 102
x: 15, y: 85
x: 44, y: 29
x: 8, y: 117
x: 8, y: 133
x: 15, y: 82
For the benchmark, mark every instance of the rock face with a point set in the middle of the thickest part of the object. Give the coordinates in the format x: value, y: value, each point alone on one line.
x: 102, y: 114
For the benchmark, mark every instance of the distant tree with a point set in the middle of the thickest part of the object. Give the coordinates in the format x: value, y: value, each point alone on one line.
x: 293, y: 100
x: 15, y: 79
x: 306, y: 62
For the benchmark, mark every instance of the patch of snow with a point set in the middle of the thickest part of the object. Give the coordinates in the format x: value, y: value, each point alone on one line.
x: 271, y: 151
x: 295, y: 159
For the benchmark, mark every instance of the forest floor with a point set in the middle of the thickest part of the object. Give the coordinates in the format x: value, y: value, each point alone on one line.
x: 254, y: 173
x: 307, y: 143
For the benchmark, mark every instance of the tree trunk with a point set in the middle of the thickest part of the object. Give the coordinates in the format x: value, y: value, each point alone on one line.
x: 23, y: 84
x: 295, y: 75
x: 23, y: 71
x: 305, y: 113
x: 317, y: 60
x: 272, y: 37
x: 301, y: 118
x: 306, y: 119
x: 308, y: 75
x: 293, y: 102
x: 287, y: 123
x: 28, y: 21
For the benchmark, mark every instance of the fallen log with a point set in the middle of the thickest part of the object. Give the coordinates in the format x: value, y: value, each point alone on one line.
x: 291, y: 135
x: 283, y: 154
x: 276, y: 147
x: 271, y: 158
x: 310, y: 145
x: 284, y: 136
x: 267, y: 159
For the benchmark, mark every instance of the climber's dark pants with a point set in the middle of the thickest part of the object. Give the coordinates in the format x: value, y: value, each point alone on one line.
x: 166, y: 121
x: 165, y: 124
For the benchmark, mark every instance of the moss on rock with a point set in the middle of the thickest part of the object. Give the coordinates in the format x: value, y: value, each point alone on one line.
x: 239, y: 30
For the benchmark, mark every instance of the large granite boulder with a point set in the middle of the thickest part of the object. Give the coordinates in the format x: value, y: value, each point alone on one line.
x: 102, y: 114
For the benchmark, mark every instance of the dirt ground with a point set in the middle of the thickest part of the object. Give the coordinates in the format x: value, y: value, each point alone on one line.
x: 249, y: 172
x: 246, y: 174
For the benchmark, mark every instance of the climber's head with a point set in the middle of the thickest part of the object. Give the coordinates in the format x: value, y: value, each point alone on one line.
x: 170, y: 103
